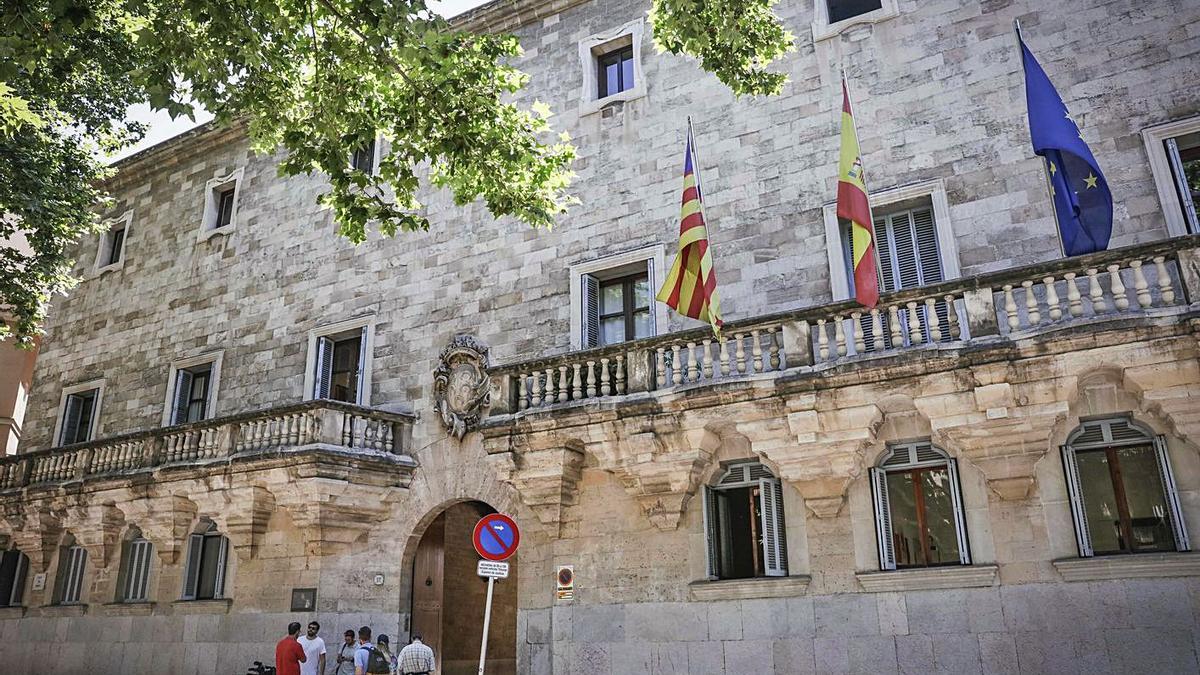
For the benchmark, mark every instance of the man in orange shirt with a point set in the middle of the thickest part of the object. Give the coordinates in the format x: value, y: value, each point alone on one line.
x: 288, y: 652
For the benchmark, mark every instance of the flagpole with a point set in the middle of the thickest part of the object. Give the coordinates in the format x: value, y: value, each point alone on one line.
x: 1045, y: 170
x: 870, y: 213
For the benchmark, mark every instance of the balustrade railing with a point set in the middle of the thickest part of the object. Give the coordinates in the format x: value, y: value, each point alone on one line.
x: 1010, y: 304
x: 326, y: 423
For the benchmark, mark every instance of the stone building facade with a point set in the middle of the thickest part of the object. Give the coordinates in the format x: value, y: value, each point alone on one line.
x: 257, y: 400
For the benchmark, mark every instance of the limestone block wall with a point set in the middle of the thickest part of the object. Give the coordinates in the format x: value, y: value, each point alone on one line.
x: 938, y: 90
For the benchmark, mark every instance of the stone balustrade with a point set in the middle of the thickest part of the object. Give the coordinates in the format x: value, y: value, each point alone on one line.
x: 329, y: 424
x: 1018, y: 303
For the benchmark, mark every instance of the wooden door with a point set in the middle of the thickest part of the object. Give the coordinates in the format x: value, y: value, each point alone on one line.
x: 427, y: 587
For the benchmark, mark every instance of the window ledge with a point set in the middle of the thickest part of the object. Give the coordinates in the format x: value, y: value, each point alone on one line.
x: 595, y: 106
x: 207, y: 234
x: 959, y: 576
x: 1140, y: 565
x: 220, y: 606
x: 64, y: 610
x: 746, y: 589
x: 128, y: 608
x: 823, y: 30
x: 99, y: 271
x: 12, y: 612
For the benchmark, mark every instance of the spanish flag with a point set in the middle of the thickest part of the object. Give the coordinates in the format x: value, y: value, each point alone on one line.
x: 691, y: 285
x: 853, y: 205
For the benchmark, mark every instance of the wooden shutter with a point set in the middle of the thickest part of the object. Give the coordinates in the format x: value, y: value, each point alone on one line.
x: 591, y: 311
x: 359, y: 397
x: 78, y: 561
x: 711, y: 534
x: 125, y: 571
x: 183, y: 393
x: 191, y: 571
x: 883, y: 519
x: 1171, y: 495
x: 72, y: 417
x: 1083, y: 536
x: 222, y: 556
x: 960, y: 519
x: 770, y: 492
x: 138, y: 570
x: 324, y: 374
x: 884, y: 248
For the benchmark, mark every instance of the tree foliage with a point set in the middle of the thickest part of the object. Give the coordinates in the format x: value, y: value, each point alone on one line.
x: 317, y: 78
x: 733, y: 39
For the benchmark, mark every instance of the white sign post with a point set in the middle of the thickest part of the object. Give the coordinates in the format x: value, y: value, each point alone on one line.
x: 496, y: 537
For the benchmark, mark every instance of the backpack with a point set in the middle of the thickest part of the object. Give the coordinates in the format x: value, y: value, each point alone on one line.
x: 377, y: 663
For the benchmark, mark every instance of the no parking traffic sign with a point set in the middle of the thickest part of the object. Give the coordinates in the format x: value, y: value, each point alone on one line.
x: 496, y: 537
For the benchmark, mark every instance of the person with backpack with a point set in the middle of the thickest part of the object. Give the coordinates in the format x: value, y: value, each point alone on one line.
x: 368, y: 660
x: 383, y: 645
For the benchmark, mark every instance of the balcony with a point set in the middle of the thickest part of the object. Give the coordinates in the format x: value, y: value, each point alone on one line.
x: 1097, y: 291
x: 337, y: 434
x: 989, y: 365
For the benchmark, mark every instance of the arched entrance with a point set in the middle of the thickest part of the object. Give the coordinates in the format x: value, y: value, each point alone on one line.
x: 448, y: 597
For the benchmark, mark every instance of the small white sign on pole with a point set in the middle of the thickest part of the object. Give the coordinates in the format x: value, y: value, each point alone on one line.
x: 492, y: 570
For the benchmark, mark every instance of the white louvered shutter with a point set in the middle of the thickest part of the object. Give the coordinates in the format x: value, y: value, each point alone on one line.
x: 864, y: 321
x: 360, y: 394
x: 222, y: 557
x: 883, y: 519
x: 1181, y: 186
x: 960, y: 516
x: 71, y: 420
x: 18, y: 587
x: 1172, y: 495
x: 652, y: 285
x: 770, y: 492
x: 191, y: 571
x: 138, y: 571
x: 884, y: 248
x: 1083, y: 536
x: 324, y: 375
x: 711, y: 541
x: 78, y: 561
x: 591, y: 311
x: 183, y: 393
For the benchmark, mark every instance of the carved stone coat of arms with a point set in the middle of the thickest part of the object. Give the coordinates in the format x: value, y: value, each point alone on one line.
x: 461, y: 389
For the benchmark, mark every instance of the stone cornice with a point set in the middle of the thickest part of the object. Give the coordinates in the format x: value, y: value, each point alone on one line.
x: 925, y: 579
x: 747, y: 589
x: 1135, y: 566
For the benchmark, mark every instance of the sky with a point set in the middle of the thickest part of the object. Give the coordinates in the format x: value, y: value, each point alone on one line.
x: 162, y: 127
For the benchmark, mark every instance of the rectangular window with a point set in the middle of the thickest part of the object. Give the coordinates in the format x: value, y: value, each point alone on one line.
x: 78, y: 414
x: 135, y: 570
x: 624, y: 309
x: 192, y: 391
x: 840, y: 10
x: 13, y: 566
x: 117, y: 247
x: 744, y: 526
x: 1183, y: 155
x: 906, y: 243
x: 340, y: 365
x: 1124, y: 500
x: 68, y: 583
x: 614, y: 71
x: 204, y: 577
x: 224, y: 207
x: 922, y: 534
x: 363, y: 158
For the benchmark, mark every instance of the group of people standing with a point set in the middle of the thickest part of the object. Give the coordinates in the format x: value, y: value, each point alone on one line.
x: 306, y: 654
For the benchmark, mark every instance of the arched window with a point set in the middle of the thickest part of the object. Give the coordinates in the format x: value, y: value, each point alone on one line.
x: 133, y: 582
x: 204, y: 575
x: 918, y: 508
x: 743, y: 523
x: 13, y: 568
x: 68, y: 582
x: 1123, y: 496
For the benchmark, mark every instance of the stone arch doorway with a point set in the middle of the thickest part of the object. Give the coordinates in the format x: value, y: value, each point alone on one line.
x: 448, y: 597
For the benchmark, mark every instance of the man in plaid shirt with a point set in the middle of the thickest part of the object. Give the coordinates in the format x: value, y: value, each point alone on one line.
x: 416, y: 658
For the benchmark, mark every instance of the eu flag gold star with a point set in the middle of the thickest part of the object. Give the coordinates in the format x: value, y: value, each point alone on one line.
x: 1053, y: 169
x: 1090, y: 180
x: 1071, y: 117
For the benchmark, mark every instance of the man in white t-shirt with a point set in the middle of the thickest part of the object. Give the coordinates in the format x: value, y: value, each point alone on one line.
x: 314, y: 651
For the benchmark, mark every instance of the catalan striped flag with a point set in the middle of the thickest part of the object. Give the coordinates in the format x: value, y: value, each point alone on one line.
x: 691, y: 285
x: 854, y: 206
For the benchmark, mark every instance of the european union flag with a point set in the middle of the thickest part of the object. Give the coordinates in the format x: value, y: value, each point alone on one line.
x: 1081, y: 196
